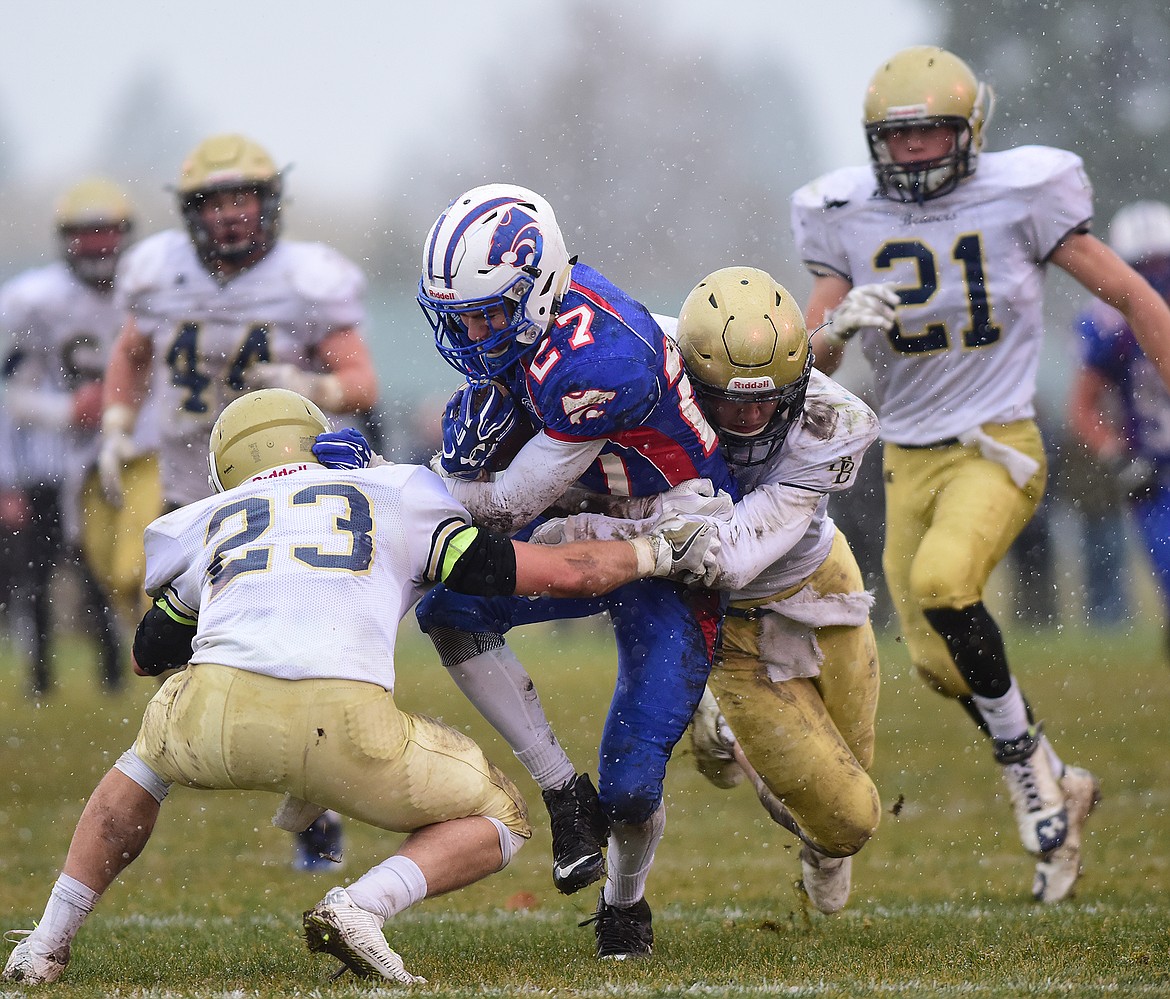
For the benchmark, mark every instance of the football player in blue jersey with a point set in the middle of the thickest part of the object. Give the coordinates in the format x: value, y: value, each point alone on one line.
x: 613, y: 412
x: 1116, y: 377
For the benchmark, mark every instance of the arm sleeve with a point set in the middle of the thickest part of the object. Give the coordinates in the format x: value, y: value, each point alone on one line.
x: 481, y: 563
x: 764, y: 527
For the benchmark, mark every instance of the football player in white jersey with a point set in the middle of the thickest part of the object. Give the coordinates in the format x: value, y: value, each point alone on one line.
x: 224, y: 306
x: 283, y: 593
x: 61, y: 322
x: 938, y: 270
x: 221, y: 307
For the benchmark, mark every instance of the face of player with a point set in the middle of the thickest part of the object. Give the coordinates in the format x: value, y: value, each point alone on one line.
x: 232, y: 220
x: 743, y: 418
x: 92, y: 252
x: 920, y: 143
x: 480, y: 325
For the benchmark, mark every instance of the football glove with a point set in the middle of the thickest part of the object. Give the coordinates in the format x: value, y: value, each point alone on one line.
x: 115, y: 450
x: 867, y: 305
x: 344, y: 448
x: 683, y: 550
x: 692, y: 498
x: 476, y: 421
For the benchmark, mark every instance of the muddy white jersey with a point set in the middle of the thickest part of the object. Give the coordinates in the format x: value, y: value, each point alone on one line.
x: 969, y: 269
x: 781, y: 532
x: 59, y: 333
x: 206, y: 335
x: 305, y: 571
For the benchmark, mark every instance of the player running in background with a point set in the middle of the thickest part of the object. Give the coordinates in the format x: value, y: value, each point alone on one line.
x: 1118, y: 405
x: 221, y: 306
x: 939, y: 269
x: 613, y: 411
x: 61, y: 321
x: 289, y: 586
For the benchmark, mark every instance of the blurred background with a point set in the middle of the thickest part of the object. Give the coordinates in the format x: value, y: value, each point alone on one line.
x: 667, y: 134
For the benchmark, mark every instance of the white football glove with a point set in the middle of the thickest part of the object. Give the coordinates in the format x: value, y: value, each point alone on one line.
x: 323, y: 389
x: 693, y: 498
x: 684, y: 550
x: 116, y: 449
x: 866, y: 306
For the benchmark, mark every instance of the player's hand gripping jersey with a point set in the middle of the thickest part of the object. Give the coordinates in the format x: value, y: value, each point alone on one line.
x: 977, y: 253
x: 206, y: 335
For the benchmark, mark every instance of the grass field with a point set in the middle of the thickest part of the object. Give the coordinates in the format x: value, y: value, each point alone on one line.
x: 940, y: 903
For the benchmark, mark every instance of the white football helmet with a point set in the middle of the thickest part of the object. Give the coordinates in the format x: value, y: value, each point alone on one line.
x: 1140, y: 231
x: 497, y: 246
x: 924, y: 86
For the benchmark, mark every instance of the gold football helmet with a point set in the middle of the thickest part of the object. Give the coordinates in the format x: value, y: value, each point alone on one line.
x: 919, y: 87
x: 230, y: 163
x: 744, y: 342
x: 92, y: 205
x: 262, y: 430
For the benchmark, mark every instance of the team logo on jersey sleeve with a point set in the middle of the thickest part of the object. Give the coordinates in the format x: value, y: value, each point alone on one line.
x: 517, y: 239
x: 586, y: 404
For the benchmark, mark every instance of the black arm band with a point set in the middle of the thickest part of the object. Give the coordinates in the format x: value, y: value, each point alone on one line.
x: 487, y: 568
x: 162, y: 643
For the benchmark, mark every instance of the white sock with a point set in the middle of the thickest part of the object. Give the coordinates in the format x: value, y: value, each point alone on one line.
x: 386, y: 890
x: 69, y: 903
x: 631, y: 852
x: 1006, y: 716
x: 1056, y: 761
x: 503, y: 692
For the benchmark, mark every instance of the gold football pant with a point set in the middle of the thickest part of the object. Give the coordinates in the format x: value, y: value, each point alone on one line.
x: 810, y: 739
x: 112, y: 536
x: 951, y: 515
x: 340, y: 744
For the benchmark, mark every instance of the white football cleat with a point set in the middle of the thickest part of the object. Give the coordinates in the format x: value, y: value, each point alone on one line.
x: 31, y: 964
x: 1057, y: 872
x: 825, y: 880
x: 1036, y: 795
x: 713, y: 743
x: 337, y: 926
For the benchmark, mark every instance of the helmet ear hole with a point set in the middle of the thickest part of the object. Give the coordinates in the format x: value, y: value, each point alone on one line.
x: 261, y: 431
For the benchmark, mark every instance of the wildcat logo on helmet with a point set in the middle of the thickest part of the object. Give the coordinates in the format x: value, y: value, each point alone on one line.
x: 517, y: 239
